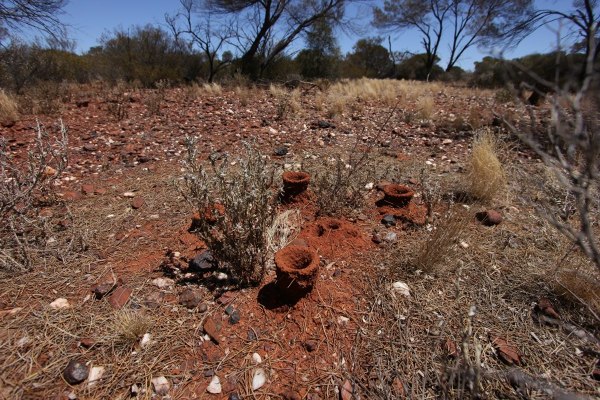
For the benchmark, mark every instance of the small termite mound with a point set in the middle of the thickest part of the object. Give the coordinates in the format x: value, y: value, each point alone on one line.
x: 296, y: 269
x: 397, y: 195
x: 295, y: 184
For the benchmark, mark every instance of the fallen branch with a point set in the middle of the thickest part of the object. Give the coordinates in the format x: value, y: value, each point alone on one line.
x: 522, y: 382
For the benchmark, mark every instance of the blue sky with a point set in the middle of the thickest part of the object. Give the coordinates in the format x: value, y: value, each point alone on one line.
x: 90, y: 18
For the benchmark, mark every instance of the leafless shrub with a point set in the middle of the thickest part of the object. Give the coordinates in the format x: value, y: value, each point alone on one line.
x: 339, y: 183
x: 24, y: 190
x: 238, y: 236
x: 156, y: 98
x: 287, y: 103
x: 9, y: 113
x: 284, y: 229
x: 571, y: 145
x: 486, y: 176
x: 118, y: 104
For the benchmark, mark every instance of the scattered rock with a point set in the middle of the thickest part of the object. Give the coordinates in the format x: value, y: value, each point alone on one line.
x: 489, y: 217
x: 291, y: 395
x: 376, y: 238
x: 87, y: 343
x: 49, y: 172
x: 130, y: 195
x: 163, y: 283
x: 234, y: 396
x: 346, y: 391
x: 226, y: 298
x: 104, y: 286
x: 390, y: 237
x: 82, y: 103
x: 203, y: 262
x: 59, y: 304
x: 75, y: 372
x: 71, y: 196
x: 506, y: 352
x: 388, y: 220
x: 235, y: 317
x: 161, y: 385
x: 259, y: 378
x: 137, y: 202
x: 545, y: 307
x: 451, y: 348
x: 145, y: 340
x: 154, y: 299
x: 311, y: 345
x: 88, y: 189
x: 119, y: 297
x: 96, y: 374
x: 281, y: 151
x: 325, y: 124
x: 90, y: 147
x: 229, y: 310
x: 190, y: 298
x: 256, y: 358
x: 212, y: 328
x: 214, y: 386
x: 401, y: 288
x: 398, y: 388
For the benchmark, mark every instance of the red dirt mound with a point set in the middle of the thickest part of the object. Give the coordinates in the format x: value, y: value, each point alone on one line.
x: 334, y: 238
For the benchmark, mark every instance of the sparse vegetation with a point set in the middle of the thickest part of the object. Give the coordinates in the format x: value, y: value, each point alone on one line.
x: 237, y: 235
x: 486, y: 176
x: 129, y: 327
x: 9, y: 112
x: 26, y: 188
x: 444, y: 237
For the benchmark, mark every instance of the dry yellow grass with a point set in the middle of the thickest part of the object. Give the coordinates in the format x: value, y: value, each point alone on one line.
x: 440, y: 244
x: 486, y: 174
x: 130, y: 326
x: 581, y: 285
x: 8, y: 109
x: 425, y: 107
x: 287, y: 103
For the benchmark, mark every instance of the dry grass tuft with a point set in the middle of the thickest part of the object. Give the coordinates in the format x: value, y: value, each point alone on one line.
x: 486, y: 174
x: 129, y: 327
x: 284, y: 229
x: 287, y: 103
x: 581, y: 285
x: 9, y: 113
x: 212, y: 89
x: 425, y: 107
x: 442, y: 242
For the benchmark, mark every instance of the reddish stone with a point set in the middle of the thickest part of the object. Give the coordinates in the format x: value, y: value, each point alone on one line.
x: 226, y: 298
x: 346, y: 391
x: 87, y: 189
x: 87, y: 342
x: 104, y: 286
x: 119, y: 297
x: 100, y: 191
x: 71, y: 196
x: 545, y: 307
x: 212, y: 328
x: 489, y: 217
x: 506, y: 352
x: 451, y: 349
x: 137, y: 202
x: 398, y: 388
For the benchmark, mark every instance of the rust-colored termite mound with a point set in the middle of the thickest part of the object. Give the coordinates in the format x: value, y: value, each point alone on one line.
x: 296, y: 268
x: 397, y: 195
x: 295, y: 184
